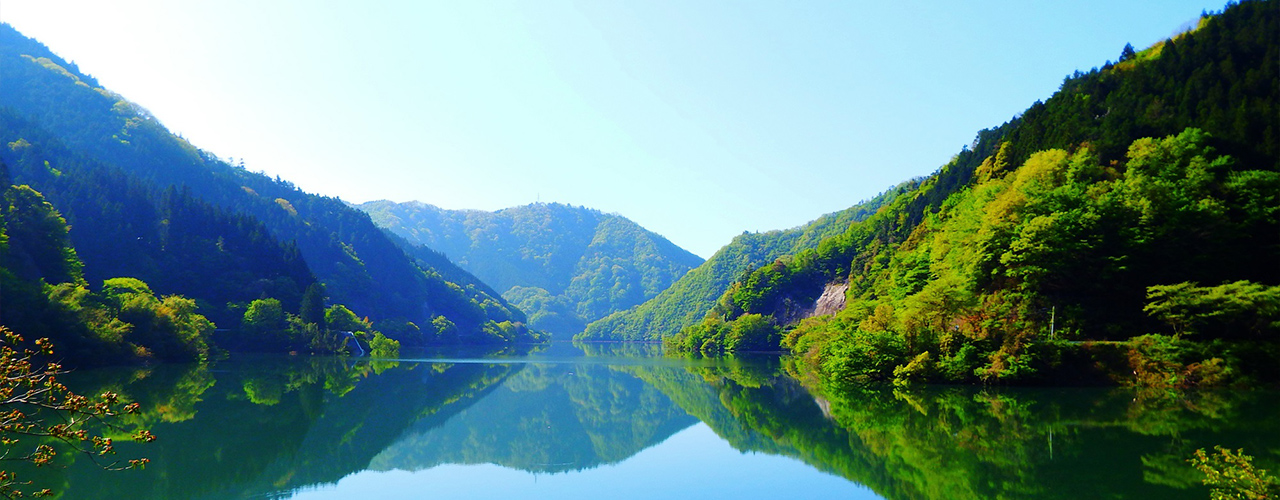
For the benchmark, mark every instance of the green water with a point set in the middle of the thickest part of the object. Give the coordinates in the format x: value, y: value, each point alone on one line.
x: 620, y: 421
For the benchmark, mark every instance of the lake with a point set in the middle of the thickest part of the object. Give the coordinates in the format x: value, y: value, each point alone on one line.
x: 622, y: 421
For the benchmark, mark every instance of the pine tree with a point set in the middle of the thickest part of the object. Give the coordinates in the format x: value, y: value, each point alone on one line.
x: 312, y: 309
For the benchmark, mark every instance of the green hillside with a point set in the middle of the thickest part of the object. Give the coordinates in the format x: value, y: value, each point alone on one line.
x: 44, y: 294
x: 686, y: 300
x: 143, y: 202
x: 564, y: 266
x: 1142, y: 198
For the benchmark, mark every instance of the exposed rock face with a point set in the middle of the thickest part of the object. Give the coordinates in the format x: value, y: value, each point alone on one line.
x: 831, y: 301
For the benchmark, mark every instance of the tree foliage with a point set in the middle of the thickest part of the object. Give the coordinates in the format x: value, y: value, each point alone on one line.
x: 40, y: 417
x: 1238, y: 309
x: 1094, y: 216
x: 687, y: 300
x: 1231, y: 475
x: 146, y: 203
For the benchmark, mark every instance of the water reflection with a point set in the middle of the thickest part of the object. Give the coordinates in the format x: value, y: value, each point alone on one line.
x: 270, y: 427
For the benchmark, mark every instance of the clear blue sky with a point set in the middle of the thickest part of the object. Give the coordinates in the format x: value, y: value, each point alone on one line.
x: 698, y: 119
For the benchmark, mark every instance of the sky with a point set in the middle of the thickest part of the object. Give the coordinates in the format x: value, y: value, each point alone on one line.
x: 697, y: 119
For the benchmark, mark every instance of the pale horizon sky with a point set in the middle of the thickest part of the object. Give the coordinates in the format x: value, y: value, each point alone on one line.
x: 696, y: 119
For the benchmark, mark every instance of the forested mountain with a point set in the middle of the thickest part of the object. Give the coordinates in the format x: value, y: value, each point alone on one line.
x: 1141, y: 198
x: 537, y: 421
x: 564, y: 266
x: 143, y: 202
x: 257, y: 426
x: 686, y: 300
x: 44, y: 294
x: 958, y: 442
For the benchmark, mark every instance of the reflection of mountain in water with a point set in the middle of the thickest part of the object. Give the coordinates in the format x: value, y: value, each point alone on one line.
x: 943, y: 443
x: 249, y: 430
x: 546, y: 418
x: 265, y: 428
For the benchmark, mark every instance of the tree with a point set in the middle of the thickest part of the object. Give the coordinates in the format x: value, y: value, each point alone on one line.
x: 382, y: 347
x: 169, y: 327
x: 35, y: 406
x: 446, y: 331
x: 1238, y: 309
x: 751, y: 332
x: 265, y: 327
x: 115, y: 288
x: 1127, y: 53
x: 264, y: 315
x: 312, y: 309
x: 38, y: 241
x: 338, y: 318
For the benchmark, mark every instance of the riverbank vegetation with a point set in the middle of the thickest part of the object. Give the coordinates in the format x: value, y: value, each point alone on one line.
x: 1125, y: 230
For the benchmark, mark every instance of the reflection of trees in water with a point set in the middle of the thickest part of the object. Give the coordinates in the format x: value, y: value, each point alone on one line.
x: 256, y: 427
x: 272, y: 425
x: 546, y: 418
x: 964, y: 442
x: 275, y: 424
x: 620, y: 349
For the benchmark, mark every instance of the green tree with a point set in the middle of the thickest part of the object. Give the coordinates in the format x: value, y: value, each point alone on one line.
x: 264, y: 316
x: 167, y: 328
x: 382, y: 347
x: 338, y: 318
x: 312, y: 308
x: 445, y: 330
x: 1231, y: 309
x: 38, y: 243
x: 1127, y: 53
x: 751, y: 332
x: 115, y: 288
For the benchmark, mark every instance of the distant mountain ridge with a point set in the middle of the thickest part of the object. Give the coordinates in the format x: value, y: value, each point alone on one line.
x: 689, y: 298
x: 564, y: 266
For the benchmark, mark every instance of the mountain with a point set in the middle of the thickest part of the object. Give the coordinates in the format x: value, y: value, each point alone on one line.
x: 686, y: 300
x: 143, y: 202
x: 963, y: 442
x: 44, y: 293
x: 537, y: 421
x: 1141, y: 198
x: 174, y: 241
x: 254, y: 426
x: 564, y: 266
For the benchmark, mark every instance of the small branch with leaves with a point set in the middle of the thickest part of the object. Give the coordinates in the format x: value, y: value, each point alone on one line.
x: 40, y: 416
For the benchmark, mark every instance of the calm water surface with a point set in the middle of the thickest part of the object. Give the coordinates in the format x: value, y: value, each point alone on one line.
x: 621, y: 421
